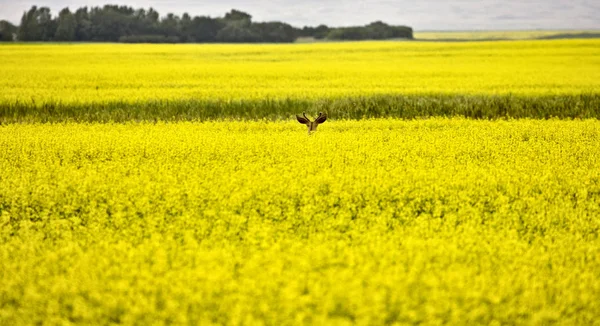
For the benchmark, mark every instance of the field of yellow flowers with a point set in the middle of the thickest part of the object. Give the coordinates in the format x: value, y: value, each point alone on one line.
x: 108, y: 82
x: 370, y: 222
x: 453, y: 183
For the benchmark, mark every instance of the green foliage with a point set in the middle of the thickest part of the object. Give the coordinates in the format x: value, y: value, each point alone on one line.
x: 374, y: 31
x: 581, y: 106
x: 7, y: 30
x: 67, y: 26
x: 237, y: 15
x: 204, y: 29
x: 84, y: 25
x: 319, y: 32
x: 237, y: 32
x: 275, y: 32
x: 30, y: 29
x: 110, y: 22
x: 114, y: 23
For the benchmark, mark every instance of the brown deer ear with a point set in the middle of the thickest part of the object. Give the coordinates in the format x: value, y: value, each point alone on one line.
x: 302, y: 120
x: 322, y: 118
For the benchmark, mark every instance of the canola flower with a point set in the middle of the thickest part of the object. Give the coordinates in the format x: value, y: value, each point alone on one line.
x: 100, y: 73
x: 355, y: 80
x: 364, y: 222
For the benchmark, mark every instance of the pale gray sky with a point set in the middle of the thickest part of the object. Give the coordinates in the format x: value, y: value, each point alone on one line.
x: 421, y: 15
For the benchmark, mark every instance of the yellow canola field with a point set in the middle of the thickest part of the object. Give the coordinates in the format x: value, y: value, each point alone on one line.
x: 364, y: 222
x: 98, y: 73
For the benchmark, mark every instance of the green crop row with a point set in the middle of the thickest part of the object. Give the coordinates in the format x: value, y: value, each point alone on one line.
x: 396, y: 106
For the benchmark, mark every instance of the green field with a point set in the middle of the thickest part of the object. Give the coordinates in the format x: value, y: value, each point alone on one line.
x: 453, y: 183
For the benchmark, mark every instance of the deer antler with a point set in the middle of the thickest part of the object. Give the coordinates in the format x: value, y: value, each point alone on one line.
x: 321, y: 118
x: 312, y: 125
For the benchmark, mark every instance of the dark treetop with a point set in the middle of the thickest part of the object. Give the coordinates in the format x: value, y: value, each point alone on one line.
x: 113, y: 23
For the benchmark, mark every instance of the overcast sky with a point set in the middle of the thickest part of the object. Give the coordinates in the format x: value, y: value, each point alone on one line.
x: 421, y: 15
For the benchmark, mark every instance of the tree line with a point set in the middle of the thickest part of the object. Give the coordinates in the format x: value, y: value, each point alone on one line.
x: 113, y: 23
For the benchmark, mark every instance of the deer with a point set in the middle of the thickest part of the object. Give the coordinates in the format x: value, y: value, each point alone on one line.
x: 312, y: 125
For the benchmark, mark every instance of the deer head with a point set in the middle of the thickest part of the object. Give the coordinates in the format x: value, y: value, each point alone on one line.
x: 312, y: 125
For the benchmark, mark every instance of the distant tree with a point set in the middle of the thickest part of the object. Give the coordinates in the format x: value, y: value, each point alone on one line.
x: 237, y: 28
x: 111, y: 22
x: 319, y: 32
x: 145, y: 22
x: 374, y: 31
x: 114, y: 23
x: 205, y: 29
x: 152, y: 21
x: 274, y: 32
x: 380, y: 30
x: 348, y: 33
x: 37, y: 25
x: 235, y: 15
x: 46, y: 23
x: 237, y: 33
x: 7, y: 30
x: 67, y: 26
x: 185, y: 27
x: 29, y: 29
x: 169, y: 25
x: 83, y: 29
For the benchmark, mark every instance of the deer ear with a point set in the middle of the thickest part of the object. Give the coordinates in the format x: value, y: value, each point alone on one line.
x: 302, y: 120
x: 321, y: 118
